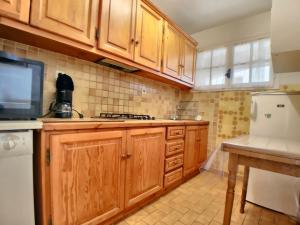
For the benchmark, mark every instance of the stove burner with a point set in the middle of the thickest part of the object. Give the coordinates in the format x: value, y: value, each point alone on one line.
x: 125, y: 116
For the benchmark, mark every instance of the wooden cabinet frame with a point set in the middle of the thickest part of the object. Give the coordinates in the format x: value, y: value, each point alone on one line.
x: 15, y: 9
x: 83, y: 30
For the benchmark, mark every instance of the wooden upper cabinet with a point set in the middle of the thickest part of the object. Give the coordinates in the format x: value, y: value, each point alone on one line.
x: 15, y: 9
x: 74, y: 19
x: 117, y: 26
x: 145, y: 164
x: 87, y: 177
x: 171, y: 51
x: 148, y: 39
x: 188, y: 61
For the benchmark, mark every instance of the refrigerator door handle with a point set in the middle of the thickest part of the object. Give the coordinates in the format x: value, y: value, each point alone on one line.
x: 253, y: 110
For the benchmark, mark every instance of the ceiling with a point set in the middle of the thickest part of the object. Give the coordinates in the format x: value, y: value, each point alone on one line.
x: 196, y: 15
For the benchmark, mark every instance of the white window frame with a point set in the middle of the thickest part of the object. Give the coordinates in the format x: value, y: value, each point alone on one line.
x: 211, y: 67
x: 229, y: 85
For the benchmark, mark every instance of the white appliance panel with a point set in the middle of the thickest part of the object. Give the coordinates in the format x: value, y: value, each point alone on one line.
x: 275, y: 115
x: 16, y: 178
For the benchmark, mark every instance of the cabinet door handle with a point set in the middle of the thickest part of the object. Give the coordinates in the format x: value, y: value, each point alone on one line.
x: 123, y: 156
x: 132, y: 40
x: 137, y: 42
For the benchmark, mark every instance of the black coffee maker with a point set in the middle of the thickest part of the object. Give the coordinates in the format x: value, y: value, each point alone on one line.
x: 64, y: 92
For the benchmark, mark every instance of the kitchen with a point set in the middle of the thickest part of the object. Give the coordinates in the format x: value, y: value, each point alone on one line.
x: 137, y: 104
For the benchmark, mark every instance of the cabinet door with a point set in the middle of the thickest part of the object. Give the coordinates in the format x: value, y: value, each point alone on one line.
x: 192, y: 147
x: 188, y: 61
x: 74, y: 19
x: 145, y: 164
x: 148, y: 41
x: 15, y: 9
x: 86, y: 174
x: 117, y: 27
x: 171, y: 61
x: 203, y: 133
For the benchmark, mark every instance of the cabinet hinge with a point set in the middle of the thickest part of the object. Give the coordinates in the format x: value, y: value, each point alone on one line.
x: 48, y: 156
x: 97, y: 33
x: 50, y: 221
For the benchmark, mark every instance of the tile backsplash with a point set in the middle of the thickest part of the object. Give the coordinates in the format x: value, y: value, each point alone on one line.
x: 98, y: 88
x: 228, y: 113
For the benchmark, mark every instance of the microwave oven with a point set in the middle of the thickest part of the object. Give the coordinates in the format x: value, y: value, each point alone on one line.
x: 21, y: 87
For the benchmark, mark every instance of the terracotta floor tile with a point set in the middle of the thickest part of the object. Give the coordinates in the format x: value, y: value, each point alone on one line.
x: 201, y: 201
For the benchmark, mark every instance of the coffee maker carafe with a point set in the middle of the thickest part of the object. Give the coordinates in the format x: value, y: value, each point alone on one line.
x: 64, y: 92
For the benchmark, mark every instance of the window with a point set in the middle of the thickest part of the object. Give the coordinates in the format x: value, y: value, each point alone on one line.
x: 249, y: 64
x: 211, y: 67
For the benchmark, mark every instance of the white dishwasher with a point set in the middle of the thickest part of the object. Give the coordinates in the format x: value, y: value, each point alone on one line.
x: 16, y: 178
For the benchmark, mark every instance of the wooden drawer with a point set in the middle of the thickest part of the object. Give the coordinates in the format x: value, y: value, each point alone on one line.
x: 173, y: 162
x: 174, y: 147
x: 175, y: 132
x: 172, y: 177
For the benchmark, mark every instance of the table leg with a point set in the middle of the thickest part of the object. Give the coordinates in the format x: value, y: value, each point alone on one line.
x: 244, y: 191
x: 298, y: 223
x: 232, y: 167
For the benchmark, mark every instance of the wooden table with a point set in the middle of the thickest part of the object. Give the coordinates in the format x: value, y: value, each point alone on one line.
x: 272, y: 154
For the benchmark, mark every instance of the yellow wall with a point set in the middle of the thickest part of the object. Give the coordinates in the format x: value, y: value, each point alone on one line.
x: 228, y: 113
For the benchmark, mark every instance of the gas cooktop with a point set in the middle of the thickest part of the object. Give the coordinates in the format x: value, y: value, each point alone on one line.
x: 124, y: 116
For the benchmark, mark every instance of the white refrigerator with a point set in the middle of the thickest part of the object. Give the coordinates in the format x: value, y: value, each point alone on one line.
x: 275, y: 115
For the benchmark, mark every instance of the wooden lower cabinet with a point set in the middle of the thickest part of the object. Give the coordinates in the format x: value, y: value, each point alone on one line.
x: 144, y: 166
x: 96, y: 176
x: 87, y: 177
x: 195, y: 148
x: 202, y: 154
x: 173, y: 177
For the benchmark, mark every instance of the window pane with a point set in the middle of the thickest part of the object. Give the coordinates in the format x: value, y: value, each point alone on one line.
x: 204, y: 60
x: 241, y: 74
x: 261, y: 50
x: 241, y: 53
x: 219, y: 57
x: 261, y: 72
x: 202, y: 77
x: 218, y: 76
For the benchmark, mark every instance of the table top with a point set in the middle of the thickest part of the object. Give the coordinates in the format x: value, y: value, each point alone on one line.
x: 280, y: 147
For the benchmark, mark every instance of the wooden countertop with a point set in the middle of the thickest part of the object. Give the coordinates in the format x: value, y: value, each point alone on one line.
x: 280, y: 147
x: 52, y: 124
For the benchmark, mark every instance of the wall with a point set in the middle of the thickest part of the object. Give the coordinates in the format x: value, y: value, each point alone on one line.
x: 100, y: 89
x: 228, y: 113
x: 241, y: 30
x: 285, y: 29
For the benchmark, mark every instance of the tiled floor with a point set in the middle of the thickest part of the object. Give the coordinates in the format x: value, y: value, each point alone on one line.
x: 200, y: 201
